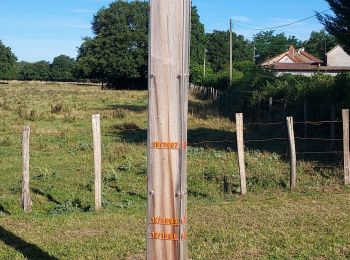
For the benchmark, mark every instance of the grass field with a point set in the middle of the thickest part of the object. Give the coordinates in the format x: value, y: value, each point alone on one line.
x: 270, y: 222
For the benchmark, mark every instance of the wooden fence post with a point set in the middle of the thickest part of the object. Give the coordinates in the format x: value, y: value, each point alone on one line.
x: 293, y: 157
x: 240, y: 151
x: 96, y: 131
x: 345, y: 113
x: 26, y: 201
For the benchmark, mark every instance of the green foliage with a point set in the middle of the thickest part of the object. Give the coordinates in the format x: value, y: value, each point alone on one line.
x: 197, y: 74
x: 69, y: 206
x: 118, y: 52
x: 34, y: 71
x: 198, y: 39
x: 220, y: 80
x: 251, y: 93
x: 8, y: 61
x: 268, y: 44
x: 339, y: 24
x: 219, y: 49
x: 320, y: 43
x: 62, y: 68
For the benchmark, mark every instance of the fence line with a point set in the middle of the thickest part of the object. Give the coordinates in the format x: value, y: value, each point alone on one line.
x: 239, y: 142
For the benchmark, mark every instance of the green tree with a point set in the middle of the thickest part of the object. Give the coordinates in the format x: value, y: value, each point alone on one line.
x: 62, y: 68
x: 268, y: 44
x: 25, y: 70
x: 8, y: 63
x: 219, y: 49
x: 118, y: 52
x: 42, y: 70
x: 339, y: 24
x: 34, y: 71
x: 319, y: 43
x: 198, y: 39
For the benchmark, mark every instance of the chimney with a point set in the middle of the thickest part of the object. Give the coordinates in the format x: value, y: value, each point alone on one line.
x: 292, y: 51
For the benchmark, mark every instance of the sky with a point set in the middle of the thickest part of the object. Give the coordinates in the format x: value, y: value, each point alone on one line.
x: 43, y: 29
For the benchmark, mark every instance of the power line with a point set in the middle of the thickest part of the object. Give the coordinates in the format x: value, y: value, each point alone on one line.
x: 280, y: 26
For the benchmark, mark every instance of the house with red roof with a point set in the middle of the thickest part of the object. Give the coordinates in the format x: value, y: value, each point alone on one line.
x: 299, y: 62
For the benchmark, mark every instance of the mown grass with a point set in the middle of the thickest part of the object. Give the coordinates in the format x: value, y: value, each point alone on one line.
x: 270, y: 222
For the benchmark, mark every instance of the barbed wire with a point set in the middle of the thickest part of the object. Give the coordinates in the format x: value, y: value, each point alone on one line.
x: 326, y: 152
x: 208, y: 142
x: 317, y: 123
x: 274, y: 123
x: 266, y: 140
x: 316, y: 139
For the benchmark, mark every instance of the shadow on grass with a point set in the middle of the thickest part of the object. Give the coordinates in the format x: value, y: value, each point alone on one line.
x: 199, y: 137
x: 3, y: 210
x: 47, y: 195
x: 201, y: 110
x: 265, y: 139
x: 29, y: 251
x: 132, y: 108
x: 137, y: 195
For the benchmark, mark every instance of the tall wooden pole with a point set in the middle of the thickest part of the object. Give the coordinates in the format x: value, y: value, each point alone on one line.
x: 231, y: 51
x: 167, y: 129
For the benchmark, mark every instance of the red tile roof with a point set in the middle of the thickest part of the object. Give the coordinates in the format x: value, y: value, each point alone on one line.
x: 296, y: 56
x: 311, y: 57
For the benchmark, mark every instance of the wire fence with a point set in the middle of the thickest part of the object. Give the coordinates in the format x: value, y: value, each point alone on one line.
x: 70, y: 150
x: 252, y: 138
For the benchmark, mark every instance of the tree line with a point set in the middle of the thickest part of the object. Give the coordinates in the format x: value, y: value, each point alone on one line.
x: 61, y: 69
x: 117, y: 53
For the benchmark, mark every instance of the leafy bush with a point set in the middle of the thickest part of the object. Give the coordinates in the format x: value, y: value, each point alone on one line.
x: 252, y: 89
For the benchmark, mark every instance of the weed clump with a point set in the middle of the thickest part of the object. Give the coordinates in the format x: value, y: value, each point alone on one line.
x: 56, y: 108
x: 69, y: 206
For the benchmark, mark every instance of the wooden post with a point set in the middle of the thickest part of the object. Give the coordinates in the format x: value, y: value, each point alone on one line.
x: 345, y: 113
x: 332, y: 127
x: 167, y: 129
x: 26, y: 201
x: 293, y: 157
x: 240, y: 151
x: 96, y: 132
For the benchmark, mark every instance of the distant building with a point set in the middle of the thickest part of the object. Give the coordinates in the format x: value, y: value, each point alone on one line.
x: 337, y: 57
x: 299, y: 62
x: 294, y: 56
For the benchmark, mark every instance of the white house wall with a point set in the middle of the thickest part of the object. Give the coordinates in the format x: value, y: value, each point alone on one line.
x: 306, y: 73
x: 338, y: 58
x: 285, y: 59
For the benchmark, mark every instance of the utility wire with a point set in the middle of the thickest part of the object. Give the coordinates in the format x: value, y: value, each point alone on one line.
x: 280, y: 26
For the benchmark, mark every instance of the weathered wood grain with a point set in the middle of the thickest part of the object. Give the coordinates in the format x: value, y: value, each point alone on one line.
x: 345, y: 115
x: 26, y: 201
x: 168, y: 98
x: 240, y: 150
x: 293, y: 156
x: 96, y: 133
